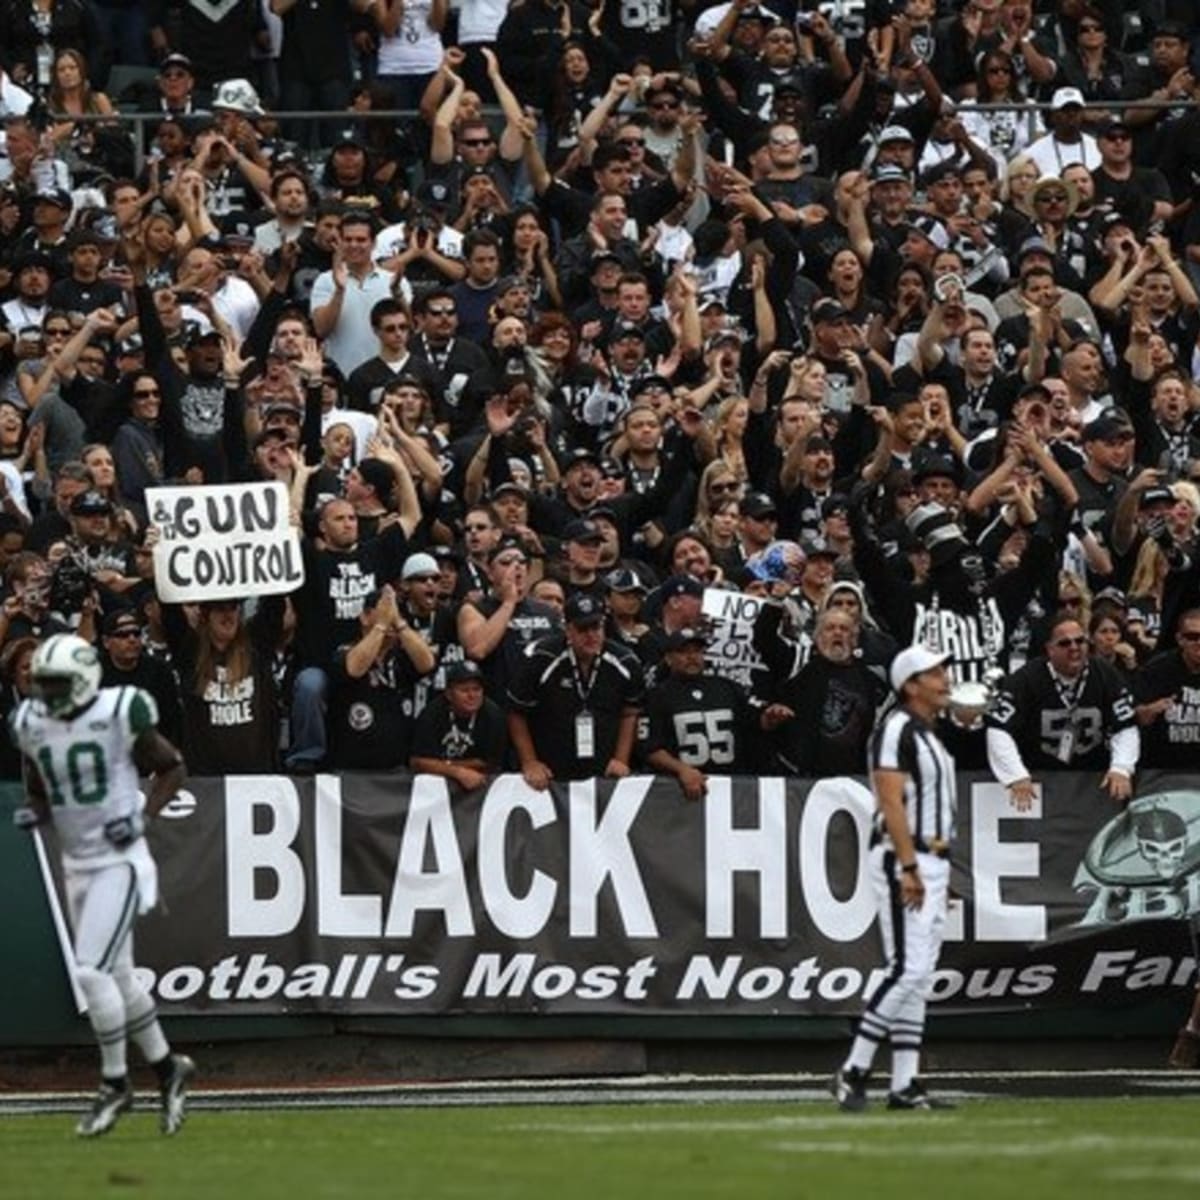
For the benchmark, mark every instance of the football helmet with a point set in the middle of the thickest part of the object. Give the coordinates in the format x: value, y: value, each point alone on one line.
x: 65, y: 674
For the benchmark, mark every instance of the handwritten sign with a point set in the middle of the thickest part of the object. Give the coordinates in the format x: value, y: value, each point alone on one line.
x: 731, y: 652
x: 224, y: 542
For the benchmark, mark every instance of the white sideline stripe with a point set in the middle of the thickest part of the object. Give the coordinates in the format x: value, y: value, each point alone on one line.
x: 1156, y: 1174
x: 770, y: 1124
x: 1041, y: 1148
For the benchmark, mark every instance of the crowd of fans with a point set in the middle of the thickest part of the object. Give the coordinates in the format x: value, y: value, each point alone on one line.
x: 878, y: 319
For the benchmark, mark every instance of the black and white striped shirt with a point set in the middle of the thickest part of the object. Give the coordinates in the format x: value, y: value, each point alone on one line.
x: 903, y: 742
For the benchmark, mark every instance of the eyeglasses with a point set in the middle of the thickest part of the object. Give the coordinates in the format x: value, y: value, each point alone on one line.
x: 1090, y: 27
x: 1052, y: 198
x: 424, y: 579
x: 1065, y: 642
x: 631, y: 141
x: 145, y: 392
x: 440, y: 310
x: 474, y: 143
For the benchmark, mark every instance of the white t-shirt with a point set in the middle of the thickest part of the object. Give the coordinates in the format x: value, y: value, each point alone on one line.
x: 1053, y: 157
x: 352, y: 341
x: 416, y: 49
x: 478, y: 20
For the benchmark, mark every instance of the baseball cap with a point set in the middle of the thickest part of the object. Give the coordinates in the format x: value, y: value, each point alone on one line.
x: 931, y: 229
x: 283, y: 409
x: 119, y: 619
x: 1066, y: 97
x: 623, y: 580
x: 416, y: 565
x: 463, y: 672
x: 53, y: 196
x: 505, y: 546
x: 1106, y: 427
x: 581, y: 455
x: 792, y: 84
x: 377, y: 474
x: 91, y: 504
x: 828, y: 309
x: 889, y: 173
x: 1156, y: 495
x: 759, y: 504
x: 815, y: 546
x: 274, y: 434
x: 838, y: 502
x: 937, y: 466
x: 624, y: 329
x: 895, y: 133
x: 131, y: 345
x: 175, y: 60
x: 582, y: 531
x: 912, y: 662
x: 200, y: 333
x: 582, y: 608
x: 1114, y: 125
x: 509, y: 485
x: 646, y: 382
x: 1172, y: 29
x: 685, y: 637
x: 681, y: 585
x: 1034, y: 245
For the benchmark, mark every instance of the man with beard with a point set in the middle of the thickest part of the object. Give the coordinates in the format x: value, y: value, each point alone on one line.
x: 958, y: 610
x: 823, y: 714
x: 419, y: 605
x: 695, y: 723
x: 1062, y: 712
x: 462, y: 735
x: 22, y: 315
x: 453, y: 359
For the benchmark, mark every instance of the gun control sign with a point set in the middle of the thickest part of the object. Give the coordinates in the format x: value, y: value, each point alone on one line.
x: 223, y: 542
x: 361, y: 894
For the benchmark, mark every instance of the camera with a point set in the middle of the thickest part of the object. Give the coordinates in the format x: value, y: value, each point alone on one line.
x: 70, y: 585
x: 948, y: 287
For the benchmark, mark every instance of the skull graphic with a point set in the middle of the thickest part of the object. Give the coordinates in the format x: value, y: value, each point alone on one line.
x: 1162, y: 840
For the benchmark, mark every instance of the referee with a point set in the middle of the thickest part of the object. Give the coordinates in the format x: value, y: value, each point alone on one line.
x: 913, y: 778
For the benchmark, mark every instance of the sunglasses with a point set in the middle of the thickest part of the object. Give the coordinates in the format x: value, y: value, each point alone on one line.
x: 440, y: 310
x: 146, y: 392
x: 663, y: 104
x: 719, y: 488
x: 511, y: 561
x: 785, y: 141
x: 57, y: 332
x: 1090, y: 27
x: 1065, y: 643
x: 1116, y: 135
x: 476, y: 142
x: 395, y: 327
x: 1052, y: 198
x: 998, y: 70
x: 1189, y: 636
x: 125, y: 634
x: 631, y: 141
x: 424, y: 579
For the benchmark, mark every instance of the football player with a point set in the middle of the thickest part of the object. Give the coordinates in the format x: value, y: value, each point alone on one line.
x: 83, y: 748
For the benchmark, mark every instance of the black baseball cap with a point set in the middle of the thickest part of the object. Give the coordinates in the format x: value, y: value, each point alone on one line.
x: 463, y: 672
x: 1106, y: 428
x: 582, y: 530
x: 685, y: 637
x: 681, y: 585
x: 582, y: 608
x: 623, y: 580
x: 758, y: 504
x: 91, y: 504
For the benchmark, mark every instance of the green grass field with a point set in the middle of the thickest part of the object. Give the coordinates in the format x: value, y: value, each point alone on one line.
x: 988, y: 1148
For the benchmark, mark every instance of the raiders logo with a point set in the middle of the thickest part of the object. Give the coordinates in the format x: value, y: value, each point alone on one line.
x: 360, y: 717
x: 1143, y: 864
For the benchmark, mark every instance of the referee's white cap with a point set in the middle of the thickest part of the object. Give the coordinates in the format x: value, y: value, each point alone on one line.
x: 913, y: 661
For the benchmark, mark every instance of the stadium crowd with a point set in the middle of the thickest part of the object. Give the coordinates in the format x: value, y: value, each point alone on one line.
x: 858, y: 325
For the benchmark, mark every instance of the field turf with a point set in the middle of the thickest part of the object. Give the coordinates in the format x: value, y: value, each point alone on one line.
x: 1028, y: 1149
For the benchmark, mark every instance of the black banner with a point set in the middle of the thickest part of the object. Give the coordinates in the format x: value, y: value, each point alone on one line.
x: 400, y: 895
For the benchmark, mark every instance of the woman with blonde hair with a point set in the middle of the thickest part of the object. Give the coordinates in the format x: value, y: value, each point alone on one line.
x: 98, y: 459
x: 1074, y: 597
x: 1019, y: 181
x: 730, y: 423
x: 718, y: 482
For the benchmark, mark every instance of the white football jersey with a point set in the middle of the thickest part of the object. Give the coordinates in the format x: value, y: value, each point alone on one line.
x: 86, y: 764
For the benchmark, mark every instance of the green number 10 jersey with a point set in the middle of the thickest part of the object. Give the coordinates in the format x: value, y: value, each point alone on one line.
x: 86, y: 764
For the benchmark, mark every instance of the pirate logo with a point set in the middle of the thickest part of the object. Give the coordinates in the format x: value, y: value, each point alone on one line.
x: 1142, y: 865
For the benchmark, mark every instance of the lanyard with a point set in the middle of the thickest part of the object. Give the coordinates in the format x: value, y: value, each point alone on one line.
x: 1070, y: 693
x: 583, y: 688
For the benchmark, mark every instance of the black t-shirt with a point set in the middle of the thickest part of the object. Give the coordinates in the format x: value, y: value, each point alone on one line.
x: 481, y: 738
x: 1171, y: 740
x: 74, y: 297
x: 370, y: 717
x: 531, y: 620
x: 336, y: 582
x: 551, y: 693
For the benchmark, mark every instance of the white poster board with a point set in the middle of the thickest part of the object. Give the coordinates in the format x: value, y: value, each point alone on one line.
x: 731, y: 652
x: 223, y: 541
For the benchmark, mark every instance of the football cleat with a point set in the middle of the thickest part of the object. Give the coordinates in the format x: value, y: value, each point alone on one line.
x: 915, y: 1096
x: 109, y: 1104
x: 1185, y: 1054
x: 849, y: 1089
x: 174, y: 1094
